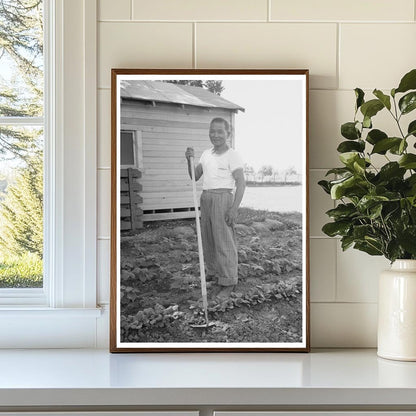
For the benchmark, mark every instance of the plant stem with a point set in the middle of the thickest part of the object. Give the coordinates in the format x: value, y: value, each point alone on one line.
x: 397, y: 118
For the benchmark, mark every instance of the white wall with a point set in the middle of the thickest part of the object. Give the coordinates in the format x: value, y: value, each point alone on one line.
x: 345, y: 44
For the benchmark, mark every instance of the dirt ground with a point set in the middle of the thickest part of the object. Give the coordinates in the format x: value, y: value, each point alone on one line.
x: 161, y: 291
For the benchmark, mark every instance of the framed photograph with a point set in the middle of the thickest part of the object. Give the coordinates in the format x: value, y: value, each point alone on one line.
x: 209, y: 211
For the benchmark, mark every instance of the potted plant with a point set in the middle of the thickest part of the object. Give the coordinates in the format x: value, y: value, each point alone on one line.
x: 376, y: 209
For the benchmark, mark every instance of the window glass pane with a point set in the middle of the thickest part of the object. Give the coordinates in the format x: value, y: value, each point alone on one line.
x: 21, y: 146
x: 21, y: 209
x: 127, y: 151
x: 21, y: 58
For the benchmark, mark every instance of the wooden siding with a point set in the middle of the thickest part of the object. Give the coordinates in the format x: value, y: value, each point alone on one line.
x: 131, y: 214
x: 167, y: 130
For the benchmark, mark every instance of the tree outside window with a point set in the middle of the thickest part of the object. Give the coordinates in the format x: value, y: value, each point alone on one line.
x: 21, y: 143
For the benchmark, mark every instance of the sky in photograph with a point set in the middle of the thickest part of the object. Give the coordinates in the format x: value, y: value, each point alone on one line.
x: 270, y: 130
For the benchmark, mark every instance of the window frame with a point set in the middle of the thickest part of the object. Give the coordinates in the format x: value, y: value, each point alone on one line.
x: 36, y: 296
x: 67, y: 304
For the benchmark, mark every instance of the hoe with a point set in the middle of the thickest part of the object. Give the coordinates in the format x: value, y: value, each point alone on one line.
x: 207, y: 324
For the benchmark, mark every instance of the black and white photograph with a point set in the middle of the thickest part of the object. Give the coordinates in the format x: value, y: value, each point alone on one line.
x: 209, y: 210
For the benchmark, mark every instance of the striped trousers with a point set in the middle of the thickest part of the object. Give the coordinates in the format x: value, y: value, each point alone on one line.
x: 218, y: 239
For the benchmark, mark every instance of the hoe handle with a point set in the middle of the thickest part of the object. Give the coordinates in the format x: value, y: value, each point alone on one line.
x: 200, y: 249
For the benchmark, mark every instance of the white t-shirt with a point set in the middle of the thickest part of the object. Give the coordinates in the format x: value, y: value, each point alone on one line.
x: 218, y: 169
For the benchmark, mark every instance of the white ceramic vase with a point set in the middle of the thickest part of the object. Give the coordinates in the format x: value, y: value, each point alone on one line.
x: 397, y: 312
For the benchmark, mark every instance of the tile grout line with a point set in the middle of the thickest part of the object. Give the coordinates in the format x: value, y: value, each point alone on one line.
x: 308, y: 22
x: 131, y: 9
x: 344, y: 303
x: 269, y: 10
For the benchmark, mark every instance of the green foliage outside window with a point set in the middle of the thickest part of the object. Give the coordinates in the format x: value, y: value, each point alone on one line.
x: 21, y: 147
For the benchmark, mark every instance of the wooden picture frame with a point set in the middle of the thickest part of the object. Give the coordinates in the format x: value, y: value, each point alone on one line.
x: 162, y: 298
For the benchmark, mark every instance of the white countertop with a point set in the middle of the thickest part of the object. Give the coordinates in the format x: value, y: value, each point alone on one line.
x: 96, y: 377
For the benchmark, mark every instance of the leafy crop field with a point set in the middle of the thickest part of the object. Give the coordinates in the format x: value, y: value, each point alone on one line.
x: 161, y: 292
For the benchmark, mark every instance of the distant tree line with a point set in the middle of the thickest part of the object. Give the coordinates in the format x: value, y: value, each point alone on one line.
x: 269, y: 173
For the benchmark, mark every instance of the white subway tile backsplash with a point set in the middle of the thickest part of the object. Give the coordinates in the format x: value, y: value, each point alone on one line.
x: 357, y: 275
x: 340, y: 56
x: 104, y: 129
x: 376, y: 55
x: 328, y: 110
x: 319, y: 203
x: 104, y: 202
x: 322, y: 269
x: 200, y: 10
x: 341, y: 10
x: 114, y: 10
x: 142, y: 45
x: 346, y: 325
x: 271, y: 45
x: 103, y: 271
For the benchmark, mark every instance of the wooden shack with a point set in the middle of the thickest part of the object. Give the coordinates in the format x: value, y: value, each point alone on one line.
x: 159, y: 121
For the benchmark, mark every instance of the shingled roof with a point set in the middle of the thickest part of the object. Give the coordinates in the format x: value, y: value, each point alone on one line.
x: 166, y: 92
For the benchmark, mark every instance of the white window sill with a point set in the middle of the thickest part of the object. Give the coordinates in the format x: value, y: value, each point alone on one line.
x: 330, y: 379
x: 40, y: 327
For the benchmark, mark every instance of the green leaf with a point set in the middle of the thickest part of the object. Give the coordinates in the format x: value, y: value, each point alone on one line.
x: 368, y: 248
x: 408, y: 102
x: 375, y: 212
x: 371, y: 108
x: 398, y: 149
x: 391, y: 170
x: 393, y: 92
x: 367, y: 122
x: 393, y: 250
x: 338, y: 171
x: 408, y: 161
x: 349, y: 131
x: 383, y: 145
x: 350, y: 146
x: 361, y: 231
x: 359, y: 95
x: 338, y: 190
x: 342, y: 211
x: 375, y: 136
x: 385, y: 99
x: 349, y: 158
x: 336, y: 228
x: 411, y: 130
x: 408, y: 82
x: 325, y: 186
x: 359, y: 165
x: 411, y: 183
x: 346, y: 242
x: 407, y: 240
x: 411, y: 180
x: 369, y: 201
